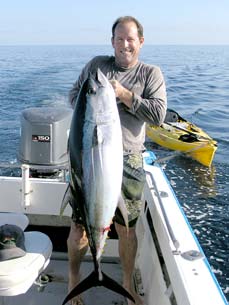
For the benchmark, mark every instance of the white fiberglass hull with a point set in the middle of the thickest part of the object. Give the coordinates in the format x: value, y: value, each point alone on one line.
x: 171, y: 267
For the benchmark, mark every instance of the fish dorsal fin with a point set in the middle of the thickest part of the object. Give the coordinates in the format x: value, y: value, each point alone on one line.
x: 66, y: 200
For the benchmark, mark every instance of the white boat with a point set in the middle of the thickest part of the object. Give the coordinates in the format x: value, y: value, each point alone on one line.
x: 171, y: 267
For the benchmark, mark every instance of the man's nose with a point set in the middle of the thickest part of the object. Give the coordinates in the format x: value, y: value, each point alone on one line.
x: 126, y: 43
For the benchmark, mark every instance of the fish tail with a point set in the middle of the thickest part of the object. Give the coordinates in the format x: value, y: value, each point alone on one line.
x: 92, y: 281
x: 114, y: 286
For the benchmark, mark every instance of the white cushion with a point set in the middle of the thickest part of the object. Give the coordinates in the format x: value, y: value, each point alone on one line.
x: 17, y: 219
x: 18, y: 275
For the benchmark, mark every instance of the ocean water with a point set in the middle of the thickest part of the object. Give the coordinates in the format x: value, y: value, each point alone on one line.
x: 197, y: 79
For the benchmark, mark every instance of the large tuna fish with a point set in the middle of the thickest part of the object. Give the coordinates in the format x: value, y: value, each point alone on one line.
x: 96, y: 165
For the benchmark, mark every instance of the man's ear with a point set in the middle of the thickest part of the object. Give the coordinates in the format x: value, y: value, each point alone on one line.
x: 142, y: 39
x: 112, y: 41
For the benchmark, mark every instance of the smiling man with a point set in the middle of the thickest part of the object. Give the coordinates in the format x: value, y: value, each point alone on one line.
x: 141, y: 98
x: 127, y: 39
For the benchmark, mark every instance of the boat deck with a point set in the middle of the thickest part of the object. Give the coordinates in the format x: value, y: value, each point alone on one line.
x: 55, y: 290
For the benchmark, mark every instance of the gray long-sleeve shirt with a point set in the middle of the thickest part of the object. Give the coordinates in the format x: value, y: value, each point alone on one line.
x: 149, y: 97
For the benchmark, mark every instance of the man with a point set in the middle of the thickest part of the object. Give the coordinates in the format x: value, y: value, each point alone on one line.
x: 141, y: 97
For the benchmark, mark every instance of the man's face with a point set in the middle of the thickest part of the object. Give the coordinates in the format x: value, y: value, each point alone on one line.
x: 126, y: 44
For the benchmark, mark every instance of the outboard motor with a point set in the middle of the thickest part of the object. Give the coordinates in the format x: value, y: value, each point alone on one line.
x: 44, y: 137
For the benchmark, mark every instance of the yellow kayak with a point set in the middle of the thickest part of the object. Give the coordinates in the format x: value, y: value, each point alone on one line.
x: 178, y: 134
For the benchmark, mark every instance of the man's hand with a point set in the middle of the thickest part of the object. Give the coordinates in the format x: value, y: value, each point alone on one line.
x: 123, y: 94
x: 118, y: 88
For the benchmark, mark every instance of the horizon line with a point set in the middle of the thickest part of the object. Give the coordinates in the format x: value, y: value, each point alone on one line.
x: 109, y: 45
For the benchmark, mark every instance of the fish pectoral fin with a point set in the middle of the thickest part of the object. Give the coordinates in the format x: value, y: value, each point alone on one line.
x: 92, y: 281
x: 66, y: 200
x: 124, y: 212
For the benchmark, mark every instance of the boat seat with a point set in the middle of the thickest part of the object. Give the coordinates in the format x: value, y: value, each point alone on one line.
x: 17, y: 275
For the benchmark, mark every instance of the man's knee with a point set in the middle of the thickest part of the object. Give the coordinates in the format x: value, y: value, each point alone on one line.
x: 123, y: 232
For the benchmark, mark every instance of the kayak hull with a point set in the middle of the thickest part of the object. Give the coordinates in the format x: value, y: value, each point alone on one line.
x: 168, y: 136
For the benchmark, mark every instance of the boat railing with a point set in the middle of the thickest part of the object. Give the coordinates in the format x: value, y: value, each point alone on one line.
x: 168, y: 226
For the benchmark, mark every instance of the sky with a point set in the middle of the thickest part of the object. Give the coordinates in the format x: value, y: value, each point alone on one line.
x: 72, y: 22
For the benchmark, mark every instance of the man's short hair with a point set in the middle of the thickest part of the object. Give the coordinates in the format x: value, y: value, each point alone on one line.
x: 128, y: 19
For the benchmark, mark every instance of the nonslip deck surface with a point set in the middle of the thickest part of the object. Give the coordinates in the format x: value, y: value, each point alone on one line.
x: 56, y: 290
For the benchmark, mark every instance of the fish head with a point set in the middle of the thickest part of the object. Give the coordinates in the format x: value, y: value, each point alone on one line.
x: 95, y: 106
x: 101, y: 99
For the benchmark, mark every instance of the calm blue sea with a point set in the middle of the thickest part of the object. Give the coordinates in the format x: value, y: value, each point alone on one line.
x: 197, y: 79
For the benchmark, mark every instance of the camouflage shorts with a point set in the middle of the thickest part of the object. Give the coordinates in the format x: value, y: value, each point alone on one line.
x: 132, y: 187
x: 133, y: 182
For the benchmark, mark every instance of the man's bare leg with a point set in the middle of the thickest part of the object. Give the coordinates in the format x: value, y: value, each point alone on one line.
x: 127, y: 252
x: 77, y: 247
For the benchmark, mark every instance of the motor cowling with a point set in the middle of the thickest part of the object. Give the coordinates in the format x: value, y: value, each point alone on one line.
x: 44, y: 136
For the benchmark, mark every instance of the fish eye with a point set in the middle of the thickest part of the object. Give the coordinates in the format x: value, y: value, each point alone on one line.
x: 91, y: 91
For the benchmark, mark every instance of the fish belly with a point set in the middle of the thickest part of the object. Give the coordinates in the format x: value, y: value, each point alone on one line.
x: 102, y: 178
